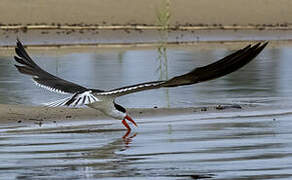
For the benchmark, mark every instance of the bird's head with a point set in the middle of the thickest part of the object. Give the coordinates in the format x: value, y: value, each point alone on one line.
x: 124, y: 114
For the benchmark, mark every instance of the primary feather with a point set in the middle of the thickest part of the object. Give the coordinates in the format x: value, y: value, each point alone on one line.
x: 42, y: 77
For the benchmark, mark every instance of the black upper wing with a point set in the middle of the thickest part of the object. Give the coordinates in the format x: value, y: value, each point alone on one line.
x: 41, y: 77
x: 217, y: 69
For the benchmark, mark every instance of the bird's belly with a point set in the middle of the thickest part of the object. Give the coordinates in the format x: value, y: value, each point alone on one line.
x: 105, y: 108
x: 95, y: 105
x: 98, y: 106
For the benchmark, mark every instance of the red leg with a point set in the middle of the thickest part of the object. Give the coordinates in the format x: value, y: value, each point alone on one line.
x: 126, y: 124
x: 131, y: 120
x: 128, y: 128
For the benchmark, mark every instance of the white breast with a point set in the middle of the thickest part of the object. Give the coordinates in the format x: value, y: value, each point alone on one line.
x: 106, y: 106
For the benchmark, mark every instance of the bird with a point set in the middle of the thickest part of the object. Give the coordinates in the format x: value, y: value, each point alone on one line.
x: 104, y: 100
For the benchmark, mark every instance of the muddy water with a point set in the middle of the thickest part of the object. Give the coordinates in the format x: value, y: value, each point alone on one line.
x: 217, y: 145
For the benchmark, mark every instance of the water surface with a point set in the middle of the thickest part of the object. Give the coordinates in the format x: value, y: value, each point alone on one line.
x: 265, y: 79
x: 245, y: 144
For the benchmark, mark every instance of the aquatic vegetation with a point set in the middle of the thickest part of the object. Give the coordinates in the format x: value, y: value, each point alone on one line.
x: 163, y: 19
x: 163, y: 15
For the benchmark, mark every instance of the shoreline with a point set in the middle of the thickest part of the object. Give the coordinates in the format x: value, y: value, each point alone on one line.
x: 146, y: 27
x: 31, y: 115
x: 27, y: 114
x: 57, y: 38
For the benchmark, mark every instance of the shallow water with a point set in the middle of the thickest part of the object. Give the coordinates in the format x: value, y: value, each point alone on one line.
x: 218, y: 145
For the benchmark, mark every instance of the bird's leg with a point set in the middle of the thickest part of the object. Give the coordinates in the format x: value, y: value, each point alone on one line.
x: 126, y: 124
x: 128, y: 128
x: 130, y: 119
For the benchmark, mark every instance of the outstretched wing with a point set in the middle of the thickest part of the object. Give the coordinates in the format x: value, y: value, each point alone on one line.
x: 215, y: 70
x: 42, y: 77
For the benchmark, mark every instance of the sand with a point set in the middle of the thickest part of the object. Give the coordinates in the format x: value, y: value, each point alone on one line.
x: 22, y: 114
x: 132, y: 23
x: 145, y: 12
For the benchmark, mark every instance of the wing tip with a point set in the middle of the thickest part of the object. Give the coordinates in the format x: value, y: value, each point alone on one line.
x: 261, y: 44
x: 265, y: 43
x: 18, y: 43
x: 20, y: 50
x: 220, y: 68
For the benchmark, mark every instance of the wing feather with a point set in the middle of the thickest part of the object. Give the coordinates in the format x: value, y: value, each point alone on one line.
x: 78, y: 99
x: 84, y: 96
x: 42, y: 77
x: 214, y: 70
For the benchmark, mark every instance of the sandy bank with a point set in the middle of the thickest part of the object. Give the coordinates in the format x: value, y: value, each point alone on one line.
x: 134, y: 38
x: 37, y: 114
x: 145, y: 12
x: 110, y: 22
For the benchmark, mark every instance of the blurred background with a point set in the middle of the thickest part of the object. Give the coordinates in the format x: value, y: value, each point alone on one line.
x: 92, y: 21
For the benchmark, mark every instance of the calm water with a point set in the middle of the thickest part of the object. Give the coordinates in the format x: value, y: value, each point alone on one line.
x: 265, y: 79
x: 223, y: 145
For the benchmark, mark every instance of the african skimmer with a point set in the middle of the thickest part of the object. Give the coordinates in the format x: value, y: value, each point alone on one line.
x: 104, y: 100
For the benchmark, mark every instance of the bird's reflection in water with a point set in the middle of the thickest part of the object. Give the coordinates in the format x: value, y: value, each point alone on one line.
x: 127, y: 139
